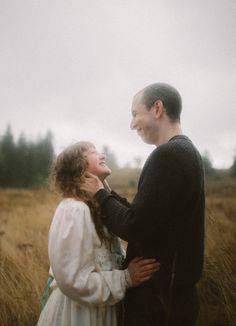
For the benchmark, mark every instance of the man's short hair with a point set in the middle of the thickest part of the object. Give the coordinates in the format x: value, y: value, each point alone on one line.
x: 169, y: 96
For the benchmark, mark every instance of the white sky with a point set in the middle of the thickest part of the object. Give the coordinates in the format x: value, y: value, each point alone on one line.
x: 73, y: 66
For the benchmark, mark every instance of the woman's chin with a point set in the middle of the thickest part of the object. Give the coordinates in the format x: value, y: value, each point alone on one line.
x: 105, y: 174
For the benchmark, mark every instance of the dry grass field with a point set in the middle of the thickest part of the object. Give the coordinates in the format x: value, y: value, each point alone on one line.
x: 24, y: 222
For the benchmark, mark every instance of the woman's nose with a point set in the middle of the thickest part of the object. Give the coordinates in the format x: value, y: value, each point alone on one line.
x: 102, y: 156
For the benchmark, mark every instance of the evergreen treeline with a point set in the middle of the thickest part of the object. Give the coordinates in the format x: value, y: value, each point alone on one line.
x: 233, y: 168
x: 24, y: 164
x: 213, y: 173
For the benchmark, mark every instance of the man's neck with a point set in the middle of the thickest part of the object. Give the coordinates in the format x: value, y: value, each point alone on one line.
x: 169, y: 132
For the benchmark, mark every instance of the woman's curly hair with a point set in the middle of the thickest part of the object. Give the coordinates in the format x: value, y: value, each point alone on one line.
x: 67, y: 175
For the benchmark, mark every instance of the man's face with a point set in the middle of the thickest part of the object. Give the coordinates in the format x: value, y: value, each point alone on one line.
x: 144, y: 121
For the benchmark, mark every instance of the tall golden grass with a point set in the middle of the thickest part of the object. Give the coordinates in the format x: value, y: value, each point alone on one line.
x: 218, y: 285
x: 25, y: 218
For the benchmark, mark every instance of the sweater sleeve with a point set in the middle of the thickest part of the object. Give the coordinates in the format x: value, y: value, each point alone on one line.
x: 122, y: 200
x: 160, y: 189
x: 71, y: 254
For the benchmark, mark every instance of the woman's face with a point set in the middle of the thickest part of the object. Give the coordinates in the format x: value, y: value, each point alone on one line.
x: 96, y: 163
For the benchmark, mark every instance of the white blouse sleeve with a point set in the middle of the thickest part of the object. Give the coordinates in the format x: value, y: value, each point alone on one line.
x: 71, y: 254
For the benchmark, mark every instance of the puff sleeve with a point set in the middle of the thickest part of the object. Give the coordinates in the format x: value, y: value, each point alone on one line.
x: 71, y: 255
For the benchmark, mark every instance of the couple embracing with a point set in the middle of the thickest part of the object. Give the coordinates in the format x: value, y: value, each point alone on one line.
x: 92, y: 281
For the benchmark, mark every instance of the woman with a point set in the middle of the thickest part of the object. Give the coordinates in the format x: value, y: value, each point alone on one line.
x: 85, y: 260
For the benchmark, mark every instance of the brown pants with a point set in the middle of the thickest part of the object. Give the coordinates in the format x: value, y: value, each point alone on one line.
x: 149, y: 309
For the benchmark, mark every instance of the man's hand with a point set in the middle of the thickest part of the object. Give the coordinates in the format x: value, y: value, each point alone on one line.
x: 141, y: 269
x: 92, y: 184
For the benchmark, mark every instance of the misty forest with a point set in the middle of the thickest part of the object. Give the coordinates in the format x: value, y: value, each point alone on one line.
x: 26, y: 164
x: 27, y: 206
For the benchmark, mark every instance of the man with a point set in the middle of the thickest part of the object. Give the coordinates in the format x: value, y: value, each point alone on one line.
x: 166, y: 217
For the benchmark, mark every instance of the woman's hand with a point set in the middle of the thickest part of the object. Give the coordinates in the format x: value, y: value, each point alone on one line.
x: 141, y: 270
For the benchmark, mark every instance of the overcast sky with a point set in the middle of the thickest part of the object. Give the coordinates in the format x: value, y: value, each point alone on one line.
x: 73, y: 66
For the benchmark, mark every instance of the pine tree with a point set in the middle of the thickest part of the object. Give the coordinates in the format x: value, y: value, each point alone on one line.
x: 24, y: 164
x: 7, y: 159
x: 233, y: 168
x: 208, y: 167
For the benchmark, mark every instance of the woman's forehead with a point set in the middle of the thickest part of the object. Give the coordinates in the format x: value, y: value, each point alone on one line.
x: 90, y: 148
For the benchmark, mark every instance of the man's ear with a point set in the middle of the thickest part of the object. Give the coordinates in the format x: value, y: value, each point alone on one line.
x: 158, y: 108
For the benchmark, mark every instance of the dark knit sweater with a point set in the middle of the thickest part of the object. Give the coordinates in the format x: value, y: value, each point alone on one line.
x: 166, y: 217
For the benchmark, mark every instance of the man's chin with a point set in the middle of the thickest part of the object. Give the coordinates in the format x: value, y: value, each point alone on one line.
x: 145, y: 140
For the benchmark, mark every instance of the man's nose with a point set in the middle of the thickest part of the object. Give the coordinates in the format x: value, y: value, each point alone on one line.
x: 132, y: 124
